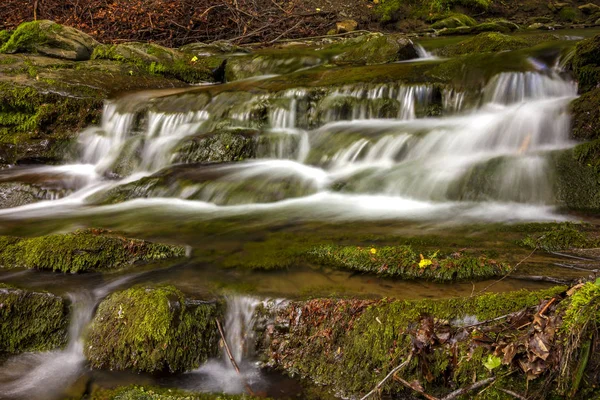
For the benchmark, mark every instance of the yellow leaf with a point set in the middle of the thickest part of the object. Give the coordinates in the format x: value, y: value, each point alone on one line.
x: 424, y: 262
x: 373, y: 250
x: 194, y: 59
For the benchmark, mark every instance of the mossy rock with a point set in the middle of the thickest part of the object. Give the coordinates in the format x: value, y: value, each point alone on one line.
x: 50, y: 39
x: 152, y: 329
x: 15, y: 194
x: 161, y: 60
x: 4, y: 36
x: 375, y: 48
x: 243, y: 67
x: 559, y: 237
x: 454, y: 21
x: 82, y: 251
x: 351, y: 344
x: 227, y: 146
x: 485, y: 42
x: 404, y: 262
x: 501, y: 26
x: 31, y: 321
x: 586, y: 63
x: 219, y: 47
x: 576, y: 183
x: 586, y: 114
x: 157, y: 393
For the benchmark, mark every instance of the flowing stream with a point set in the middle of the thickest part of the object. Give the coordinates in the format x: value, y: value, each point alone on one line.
x: 380, y: 158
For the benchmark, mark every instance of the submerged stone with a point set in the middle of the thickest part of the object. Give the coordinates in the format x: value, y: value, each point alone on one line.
x: 31, y: 321
x: 82, y: 251
x: 50, y: 39
x: 152, y: 329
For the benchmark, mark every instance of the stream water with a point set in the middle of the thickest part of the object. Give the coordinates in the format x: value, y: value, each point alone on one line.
x: 355, y: 159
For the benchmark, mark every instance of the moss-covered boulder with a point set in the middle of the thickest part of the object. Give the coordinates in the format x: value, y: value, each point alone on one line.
x: 219, y: 47
x: 31, y: 321
x: 375, y: 48
x: 485, y: 42
x: 220, y: 146
x: 50, y: 39
x: 405, y: 262
x: 586, y: 114
x: 454, y: 21
x: 267, y: 63
x: 157, y: 393
x: 82, y: 251
x: 152, y: 329
x: 563, y: 236
x: 161, y: 60
x: 352, y: 344
x: 586, y: 63
x: 577, y: 177
x: 500, y: 25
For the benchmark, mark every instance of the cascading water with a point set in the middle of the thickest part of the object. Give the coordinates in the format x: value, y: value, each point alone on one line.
x: 219, y: 375
x: 47, y: 375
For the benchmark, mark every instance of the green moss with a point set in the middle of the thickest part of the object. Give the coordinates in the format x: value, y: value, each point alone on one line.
x: 568, y: 14
x: 454, y: 21
x: 82, y: 251
x: 4, y: 36
x: 586, y: 114
x: 160, y: 60
x: 31, y: 321
x: 404, y: 262
x: 562, y: 236
x: 577, y: 178
x: 25, y: 38
x: 155, y: 393
x: 373, y: 48
x: 586, y: 63
x: 485, y: 42
x: 391, y: 10
x: 351, y: 344
x: 152, y: 329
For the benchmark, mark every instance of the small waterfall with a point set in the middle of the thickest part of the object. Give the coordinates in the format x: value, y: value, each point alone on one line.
x: 45, y: 376
x: 219, y: 375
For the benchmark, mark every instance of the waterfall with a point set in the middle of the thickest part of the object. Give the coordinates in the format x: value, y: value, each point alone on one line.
x: 218, y: 375
x: 47, y: 375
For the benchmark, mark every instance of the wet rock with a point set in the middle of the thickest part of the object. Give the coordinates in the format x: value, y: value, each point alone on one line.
x: 50, y: 39
x: 31, y: 321
x: 586, y: 64
x: 375, y: 48
x: 586, y: 114
x: 161, y: 60
x: 220, y: 47
x: 152, y: 329
x: 454, y: 21
x: 82, y: 251
x: 17, y: 194
x: 576, y: 182
x: 589, y: 8
x: 539, y: 26
x: 280, y: 62
x: 501, y: 26
x: 349, y: 25
x: 484, y: 42
x: 227, y: 146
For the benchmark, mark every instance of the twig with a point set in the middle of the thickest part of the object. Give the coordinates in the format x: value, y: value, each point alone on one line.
x: 556, y: 253
x: 543, y: 310
x: 491, y: 320
x: 469, y: 388
x: 550, y: 279
x: 35, y: 8
x: 569, y: 266
x: 388, y: 376
x: 513, y: 394
x: 507, y: 274
x: 408, y: 385
x: 286, y: 32
x: 235, y: 365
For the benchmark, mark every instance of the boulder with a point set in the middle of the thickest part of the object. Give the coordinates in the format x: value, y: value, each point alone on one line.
x: 81, y: 251
x: 375, y: 48
x: 539, y: 26
x: 220, y: 47
x: 50, y: 39
x: 484, y: 42
x: 589, y: 8
x: 152, y: 329
x: 454, y: 21
x: 31, y: 321
x: 161, y: 60
x: 346, y: 26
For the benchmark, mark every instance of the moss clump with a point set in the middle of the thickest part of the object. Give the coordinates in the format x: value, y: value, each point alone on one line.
x: 4, y: 36
x: 454, y: 21
x: 374, y: 49
x: 160, y: 60
x: 152, y: 330
x: 31, y: 321
x: 577, y: 178
x: 25, y: 38
x: 562, y: 236
x: 352, y: 344
x: 485, y: 42
x: 586, y: 114
x: 155, y: 393
x: 586, y: 63
x: 82, y: 251
x: 404, y: 262
x: 568, y: 14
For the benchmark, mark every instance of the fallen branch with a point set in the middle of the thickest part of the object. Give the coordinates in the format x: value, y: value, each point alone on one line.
x: 507, y: 274
x: 388, y: 376
x: 408, y: 385
x: 544, y: 279
x: 469, y: 388
x: 237, y: 369
x: 513, y: 394
x: 569, y: 266
x: 548, y: 304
